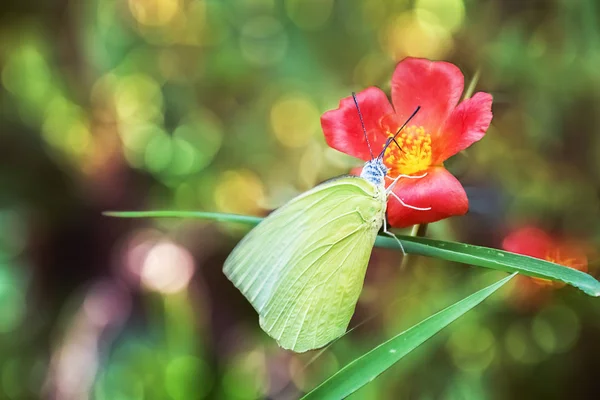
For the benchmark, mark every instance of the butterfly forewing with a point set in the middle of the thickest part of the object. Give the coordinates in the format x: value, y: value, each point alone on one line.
x: 303, y: 267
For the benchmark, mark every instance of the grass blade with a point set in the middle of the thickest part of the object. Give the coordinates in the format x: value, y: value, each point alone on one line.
x: 370, y: 365
x: 451, y: 251
x: 495, y: 259
x: 219, y: 217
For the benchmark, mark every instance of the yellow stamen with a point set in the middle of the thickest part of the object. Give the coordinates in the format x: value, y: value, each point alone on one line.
x: 415, y: 152
x: 556, y: 257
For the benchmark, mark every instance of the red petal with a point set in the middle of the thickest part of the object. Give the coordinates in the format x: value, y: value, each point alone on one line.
x: 529, y: 241
x: 439, y: 190
x: 356, y: 171
x: 436, y: 86
x: 466, y: 125
x: 342, y: 127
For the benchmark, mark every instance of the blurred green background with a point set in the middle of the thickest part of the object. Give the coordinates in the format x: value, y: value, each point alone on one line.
x: 214, y: 105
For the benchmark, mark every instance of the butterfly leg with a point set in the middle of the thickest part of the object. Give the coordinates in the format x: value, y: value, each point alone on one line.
x: 385, y: 230
x: 406, y: 176
x: 408, y: 205
x: 396, y: 179
x: 360, y: 215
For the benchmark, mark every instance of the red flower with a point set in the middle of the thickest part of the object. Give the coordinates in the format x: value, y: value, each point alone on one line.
x: 534, y: 242
x: 439, y: 130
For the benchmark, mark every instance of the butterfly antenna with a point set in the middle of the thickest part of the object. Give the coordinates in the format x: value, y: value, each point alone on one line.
x: 362, y: 123
x: 393, y: 139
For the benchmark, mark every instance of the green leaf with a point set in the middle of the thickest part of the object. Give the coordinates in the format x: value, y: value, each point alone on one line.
x: 495, y: 259
x: 220, y: 217
x: 451, y: 251
x: 370, y: 365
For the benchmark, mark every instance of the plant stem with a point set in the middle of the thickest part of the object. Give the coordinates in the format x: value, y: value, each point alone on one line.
x: 419, y: 230
x: 471, y: 88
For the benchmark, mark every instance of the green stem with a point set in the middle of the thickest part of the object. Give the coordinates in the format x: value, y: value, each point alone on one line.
x: 451, y: 251
x: 419, y: 230
x: 472, y: 84
x: 220, y: 217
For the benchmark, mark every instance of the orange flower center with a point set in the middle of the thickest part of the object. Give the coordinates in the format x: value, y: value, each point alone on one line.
x: 556, y: 256
x: 414, y: 154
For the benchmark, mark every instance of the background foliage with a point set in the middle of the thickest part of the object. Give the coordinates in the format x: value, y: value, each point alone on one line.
x: 215, y: 105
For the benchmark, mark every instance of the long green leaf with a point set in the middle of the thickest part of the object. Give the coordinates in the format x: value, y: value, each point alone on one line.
x: 495, y: 259
x: 452, y: 251
x: 370, y: 365
x: 220, y: 217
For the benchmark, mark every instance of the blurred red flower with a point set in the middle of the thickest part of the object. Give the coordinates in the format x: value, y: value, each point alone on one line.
x: 534, y: 242
x: 440, y: 129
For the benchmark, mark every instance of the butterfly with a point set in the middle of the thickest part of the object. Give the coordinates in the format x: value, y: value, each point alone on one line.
x: 302, y: 268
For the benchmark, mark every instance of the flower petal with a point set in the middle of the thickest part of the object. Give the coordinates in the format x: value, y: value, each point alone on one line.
x: 466, y: 125
x: 436, y: 86
x: 529, y: 241
x: 342, y: 127
x: 439, y: 190
x: 571, y: 254
x: 355, y: 171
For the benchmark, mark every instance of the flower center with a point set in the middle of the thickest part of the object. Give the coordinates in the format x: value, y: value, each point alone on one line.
x: 558, y: 257
x: 414, y: 154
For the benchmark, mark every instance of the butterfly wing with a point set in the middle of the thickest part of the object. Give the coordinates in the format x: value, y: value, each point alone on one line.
x: 302, y: 268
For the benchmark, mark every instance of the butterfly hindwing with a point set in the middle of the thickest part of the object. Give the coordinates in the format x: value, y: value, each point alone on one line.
x: 302, y: 268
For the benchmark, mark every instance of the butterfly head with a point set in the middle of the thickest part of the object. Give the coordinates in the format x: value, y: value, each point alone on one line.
x: 375, y: 171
